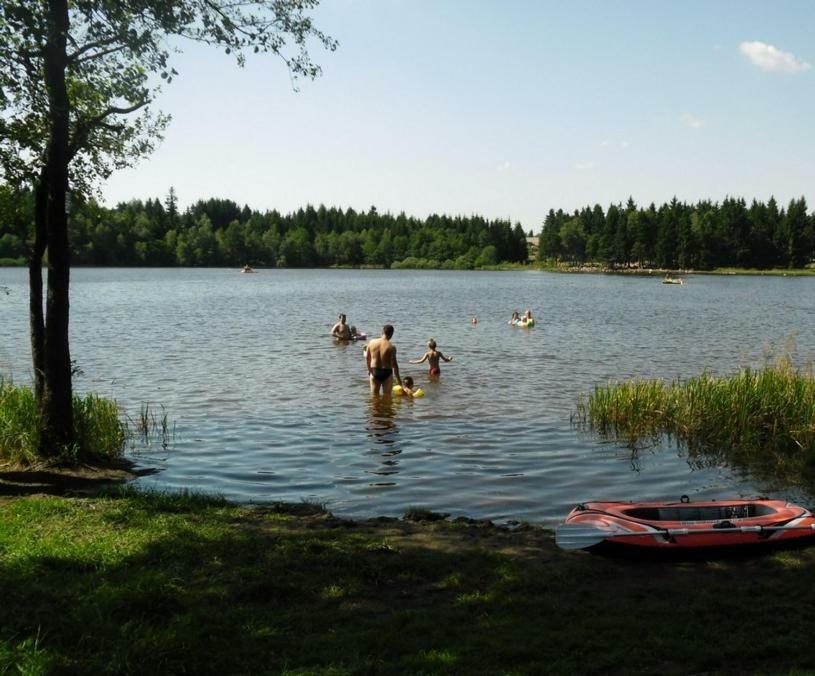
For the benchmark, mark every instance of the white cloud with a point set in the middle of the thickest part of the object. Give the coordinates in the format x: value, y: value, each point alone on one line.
x: 503, y: 168
x: 692, y: 121
x: 770, y: 58
x: 610, y: 144
x: 585, y: 164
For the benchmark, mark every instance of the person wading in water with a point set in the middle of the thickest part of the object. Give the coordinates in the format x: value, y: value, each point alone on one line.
x: 381, y: 360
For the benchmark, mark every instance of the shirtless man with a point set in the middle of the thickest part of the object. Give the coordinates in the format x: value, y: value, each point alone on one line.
x: 341, y: 330
x: 381, y: 360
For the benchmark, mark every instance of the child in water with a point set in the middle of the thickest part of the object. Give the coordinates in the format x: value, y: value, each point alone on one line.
x: 516, y: 318
x: 407, y: 386
x: 432, y: 356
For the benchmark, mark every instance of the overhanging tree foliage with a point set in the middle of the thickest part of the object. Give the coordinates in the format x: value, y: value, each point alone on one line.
x: 75, y: 94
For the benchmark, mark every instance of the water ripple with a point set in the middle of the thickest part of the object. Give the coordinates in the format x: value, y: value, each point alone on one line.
x: 267, y: 407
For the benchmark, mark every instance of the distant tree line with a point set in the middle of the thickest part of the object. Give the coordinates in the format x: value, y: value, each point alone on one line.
x: 219, y: 232
x: 677, y: 235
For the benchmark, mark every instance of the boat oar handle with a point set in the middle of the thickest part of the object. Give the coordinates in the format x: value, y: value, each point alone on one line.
x: 728, y: 529
x: 594, y: 531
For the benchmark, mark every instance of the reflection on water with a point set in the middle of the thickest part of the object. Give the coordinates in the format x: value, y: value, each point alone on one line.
x: 383, y: 433
x: 268, y: 407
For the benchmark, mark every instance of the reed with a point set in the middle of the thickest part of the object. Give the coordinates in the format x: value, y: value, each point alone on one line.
x: 100, y: 432
x: 19, y: 427
x: 762, y: 419
x: 150, y: 426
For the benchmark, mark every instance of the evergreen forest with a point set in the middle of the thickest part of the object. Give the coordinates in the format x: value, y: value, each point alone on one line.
x: 677, y: 235
x: 219, y: 232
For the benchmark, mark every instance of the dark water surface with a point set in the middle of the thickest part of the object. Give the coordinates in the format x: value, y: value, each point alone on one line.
x: 267, y: 407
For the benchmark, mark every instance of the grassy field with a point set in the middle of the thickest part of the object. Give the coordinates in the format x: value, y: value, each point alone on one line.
x: 151, y: 584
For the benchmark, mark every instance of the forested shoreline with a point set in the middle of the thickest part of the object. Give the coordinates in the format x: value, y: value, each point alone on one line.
x: 219, y: 232
x: 677, y: 235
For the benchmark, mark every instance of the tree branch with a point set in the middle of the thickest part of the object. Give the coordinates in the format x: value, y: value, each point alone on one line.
x: 85, y: 127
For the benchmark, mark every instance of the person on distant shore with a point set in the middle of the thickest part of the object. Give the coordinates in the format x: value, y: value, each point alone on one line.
x: 516, y: 318
x: 341, y: 330
x: 380, y: 358
x: 432, y: 357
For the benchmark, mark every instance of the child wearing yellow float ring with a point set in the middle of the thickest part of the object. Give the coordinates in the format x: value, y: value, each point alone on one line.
x: 406, y: 389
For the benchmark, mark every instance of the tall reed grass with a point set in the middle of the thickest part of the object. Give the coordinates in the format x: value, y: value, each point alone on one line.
x: 100, y: 432
x: 762, y: 419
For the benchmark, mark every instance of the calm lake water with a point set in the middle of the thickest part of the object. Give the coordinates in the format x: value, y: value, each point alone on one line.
x: 267, y: 407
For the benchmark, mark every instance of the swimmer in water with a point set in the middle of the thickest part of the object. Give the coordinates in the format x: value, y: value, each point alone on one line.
x: 407, y: 386
x: 432, y: 357
x: 340, y: 330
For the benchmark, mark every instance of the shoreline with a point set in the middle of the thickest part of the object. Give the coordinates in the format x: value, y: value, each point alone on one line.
x: 532, y: 266
x: 134, y: 581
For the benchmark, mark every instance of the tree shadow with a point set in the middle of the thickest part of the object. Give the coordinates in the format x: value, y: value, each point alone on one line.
x: 169, y: 586
x: 69, y: 479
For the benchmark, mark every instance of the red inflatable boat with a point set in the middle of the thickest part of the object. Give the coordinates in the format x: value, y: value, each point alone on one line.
x: 684, y: 524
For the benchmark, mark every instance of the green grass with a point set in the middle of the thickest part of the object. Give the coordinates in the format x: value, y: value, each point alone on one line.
x: 150, y: 583
x: 100, y: 431
x: 760, y: 420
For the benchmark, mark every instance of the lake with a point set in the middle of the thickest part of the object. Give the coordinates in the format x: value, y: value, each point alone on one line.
x: 267, y: 407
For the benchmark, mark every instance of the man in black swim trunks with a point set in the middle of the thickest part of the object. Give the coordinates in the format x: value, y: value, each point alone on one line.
x: 381, y: 360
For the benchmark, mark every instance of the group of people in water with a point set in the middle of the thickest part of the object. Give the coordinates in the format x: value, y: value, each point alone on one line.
x: 341, y: 330
x: 381, y: 362
x: 522, y: 320
x: 380, y: 355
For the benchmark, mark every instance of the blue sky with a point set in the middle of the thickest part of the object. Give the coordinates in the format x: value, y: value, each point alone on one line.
x: 506, y: 109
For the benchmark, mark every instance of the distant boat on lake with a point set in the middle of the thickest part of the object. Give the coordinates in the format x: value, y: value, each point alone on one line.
x: 247, y: 268
x: 673, y: 280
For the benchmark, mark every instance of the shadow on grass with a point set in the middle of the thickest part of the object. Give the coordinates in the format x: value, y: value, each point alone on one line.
x: 157, y: 584
x: 82, y: 479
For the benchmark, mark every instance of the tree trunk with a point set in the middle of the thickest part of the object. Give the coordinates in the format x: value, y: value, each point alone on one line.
x: 57, y: 430
x: 36, y: 320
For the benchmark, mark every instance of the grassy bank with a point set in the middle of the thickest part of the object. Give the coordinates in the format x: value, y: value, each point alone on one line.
x: 761, y: 420
x: 775, y: 272
x: 135, y: 583
x: 100, y: 432
x: 596, y: 267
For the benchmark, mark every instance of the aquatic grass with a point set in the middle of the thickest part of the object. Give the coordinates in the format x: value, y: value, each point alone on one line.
x: 760, y: 419
x: 100, y: 431
x: 19, y: 429
x: 151, y: 425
